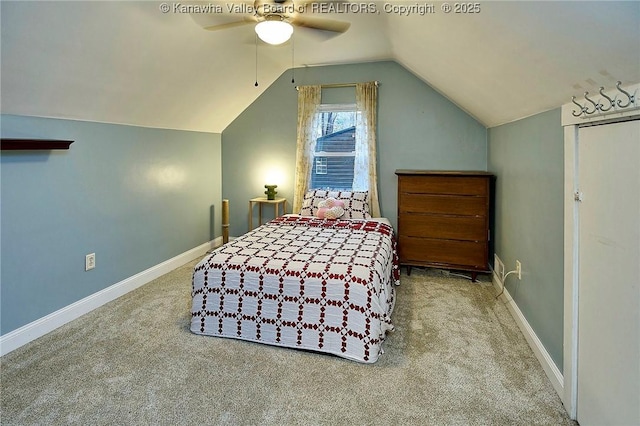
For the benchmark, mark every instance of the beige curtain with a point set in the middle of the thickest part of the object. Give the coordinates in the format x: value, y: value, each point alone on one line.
x: 308, y: 103
x: 365, y: 175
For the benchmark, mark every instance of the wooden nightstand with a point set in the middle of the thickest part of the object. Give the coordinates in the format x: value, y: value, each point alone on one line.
x: 263, y: 200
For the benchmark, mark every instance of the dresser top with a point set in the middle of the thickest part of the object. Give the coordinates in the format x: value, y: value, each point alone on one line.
x: 443, y: 172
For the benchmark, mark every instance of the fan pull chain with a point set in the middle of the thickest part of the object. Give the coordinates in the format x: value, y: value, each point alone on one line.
x: 256, y: 85
x: 293, y: 38
x: 293, y: 70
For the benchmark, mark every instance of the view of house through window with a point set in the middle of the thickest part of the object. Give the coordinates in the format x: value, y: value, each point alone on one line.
x: 334, y: 154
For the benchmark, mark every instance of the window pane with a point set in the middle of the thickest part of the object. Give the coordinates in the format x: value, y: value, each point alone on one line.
x: 335, y: 148
x: 334, y: 121
x: 338, y: 176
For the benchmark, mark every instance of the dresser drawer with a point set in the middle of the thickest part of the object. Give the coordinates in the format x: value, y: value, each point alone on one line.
x: 444, y: 185
x: 468, y: 228
x: 442, y: 204
x: 447, y: 253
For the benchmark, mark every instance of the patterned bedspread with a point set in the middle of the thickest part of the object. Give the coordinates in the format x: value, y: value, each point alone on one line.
x: 302, y: 282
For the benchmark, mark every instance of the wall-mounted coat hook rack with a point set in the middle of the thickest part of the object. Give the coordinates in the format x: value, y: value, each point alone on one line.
x: 626, y: 101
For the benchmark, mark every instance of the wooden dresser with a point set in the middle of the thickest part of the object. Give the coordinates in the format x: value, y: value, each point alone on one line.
x: 443, y: 219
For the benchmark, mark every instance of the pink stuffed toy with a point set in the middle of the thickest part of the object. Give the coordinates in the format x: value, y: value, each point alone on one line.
x: 330, y: 208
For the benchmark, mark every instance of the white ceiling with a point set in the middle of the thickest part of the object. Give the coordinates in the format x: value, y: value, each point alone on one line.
x: 129, y: 63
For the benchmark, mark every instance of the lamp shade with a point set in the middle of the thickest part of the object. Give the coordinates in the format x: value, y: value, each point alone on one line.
x: 274, y: 32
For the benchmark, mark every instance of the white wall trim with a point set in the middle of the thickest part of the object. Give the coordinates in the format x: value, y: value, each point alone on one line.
x: 571, y: 125
x: 549, y: 367
x: 38, y: 328
x: 570, y: 318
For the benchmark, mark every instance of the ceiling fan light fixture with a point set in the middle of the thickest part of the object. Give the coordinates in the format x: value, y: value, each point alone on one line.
x: 274, y: 31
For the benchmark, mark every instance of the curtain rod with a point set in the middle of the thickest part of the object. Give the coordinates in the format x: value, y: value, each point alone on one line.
x: 332, y: 86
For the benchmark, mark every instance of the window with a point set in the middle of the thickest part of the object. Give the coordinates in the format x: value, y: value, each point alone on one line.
x: 321, y: 165
x: 319, y: 126
x: 335, y: 147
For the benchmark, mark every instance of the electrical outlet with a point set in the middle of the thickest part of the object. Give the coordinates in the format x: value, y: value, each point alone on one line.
x: 519, y: 269
x: 90, y: 261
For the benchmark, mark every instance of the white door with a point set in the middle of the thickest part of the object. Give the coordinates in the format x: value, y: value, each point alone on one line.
x: 609, y: 275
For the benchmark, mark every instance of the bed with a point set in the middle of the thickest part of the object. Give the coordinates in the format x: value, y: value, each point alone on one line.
x: 302, y: 282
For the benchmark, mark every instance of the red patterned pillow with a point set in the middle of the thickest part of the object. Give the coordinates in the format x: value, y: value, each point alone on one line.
x: 356, y: 203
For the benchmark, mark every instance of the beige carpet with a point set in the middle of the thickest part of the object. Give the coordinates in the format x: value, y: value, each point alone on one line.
x: 455, y: 358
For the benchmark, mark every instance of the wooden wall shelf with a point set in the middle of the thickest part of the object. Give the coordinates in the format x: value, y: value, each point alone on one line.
x: 32, y: 144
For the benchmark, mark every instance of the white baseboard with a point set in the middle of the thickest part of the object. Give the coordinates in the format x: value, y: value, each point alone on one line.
x: 549, y: 367
x: 38, y: 328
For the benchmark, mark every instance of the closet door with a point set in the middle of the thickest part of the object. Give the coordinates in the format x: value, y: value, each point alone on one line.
x: 609, y: 275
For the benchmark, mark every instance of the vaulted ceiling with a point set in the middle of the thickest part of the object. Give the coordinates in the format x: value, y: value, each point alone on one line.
x: 130, y: 63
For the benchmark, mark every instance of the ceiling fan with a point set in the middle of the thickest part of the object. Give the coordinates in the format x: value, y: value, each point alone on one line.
x: 274, y: 19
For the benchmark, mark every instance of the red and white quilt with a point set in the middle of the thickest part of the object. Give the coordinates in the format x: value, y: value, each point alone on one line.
x: 302, y: 282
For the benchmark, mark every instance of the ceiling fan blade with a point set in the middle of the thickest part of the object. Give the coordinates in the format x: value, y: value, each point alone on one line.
x: 223, y: 26
x: 317, y: 35
x: 321, y: 23
x: 219, y: 15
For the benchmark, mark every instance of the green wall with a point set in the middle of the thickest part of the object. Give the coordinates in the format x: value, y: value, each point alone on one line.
x: 417, y: 129
x: 134, y: 196
x: 137, y: 196
x: 527, y: 157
